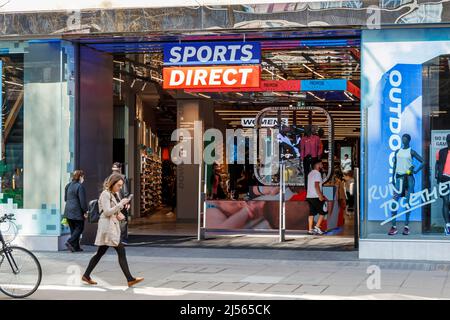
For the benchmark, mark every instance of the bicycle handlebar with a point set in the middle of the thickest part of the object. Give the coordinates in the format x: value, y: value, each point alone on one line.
x: 7, y: 217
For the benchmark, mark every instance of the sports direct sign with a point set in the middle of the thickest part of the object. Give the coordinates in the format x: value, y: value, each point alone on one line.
x: 212, y: 77
x: 191, y: 73
x: 201, y: 53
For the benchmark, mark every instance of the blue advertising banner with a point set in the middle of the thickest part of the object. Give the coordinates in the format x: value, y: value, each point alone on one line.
x: 213, y: 53
x: 399, y: 113
x: 324, y: 85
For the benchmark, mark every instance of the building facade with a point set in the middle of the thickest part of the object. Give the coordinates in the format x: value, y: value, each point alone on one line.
x: 57, y: 93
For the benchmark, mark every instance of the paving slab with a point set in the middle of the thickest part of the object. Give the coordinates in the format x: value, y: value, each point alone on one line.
x: 201, y: 285
x: 338, y: 291
x: 310, y: 289
x: 262, y: 279
x: 255, y: 287
x: 286, y: 288
x: 175, y: 284
x: 228, y: 286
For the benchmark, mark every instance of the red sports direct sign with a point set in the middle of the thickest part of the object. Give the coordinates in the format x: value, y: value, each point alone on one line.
x: 211, y: 77
x: 265, y: 85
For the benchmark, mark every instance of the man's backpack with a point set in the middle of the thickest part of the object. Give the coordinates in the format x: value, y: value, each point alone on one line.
x: 93, y: 212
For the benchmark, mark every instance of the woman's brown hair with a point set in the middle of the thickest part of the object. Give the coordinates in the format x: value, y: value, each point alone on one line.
x: 77, y: 174
x: 112, y: 180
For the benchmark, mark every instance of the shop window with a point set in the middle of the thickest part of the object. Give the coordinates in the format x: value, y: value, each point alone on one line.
x: 37, y: 153
x: 406, y: 128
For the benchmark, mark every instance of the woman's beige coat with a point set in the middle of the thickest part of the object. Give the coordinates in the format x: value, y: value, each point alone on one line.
x: 108, y: 232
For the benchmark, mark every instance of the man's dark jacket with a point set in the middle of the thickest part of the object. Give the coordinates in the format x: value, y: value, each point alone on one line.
x: 76, y: 204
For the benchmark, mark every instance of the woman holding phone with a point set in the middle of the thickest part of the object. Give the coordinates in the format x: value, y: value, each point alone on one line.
x: 108, y: 232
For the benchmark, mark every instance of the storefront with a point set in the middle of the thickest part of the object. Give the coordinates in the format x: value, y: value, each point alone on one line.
x: 405, y: 96
x: 65, y: 107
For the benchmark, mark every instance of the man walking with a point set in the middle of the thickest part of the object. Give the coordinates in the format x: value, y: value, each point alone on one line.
x: 315, y: 198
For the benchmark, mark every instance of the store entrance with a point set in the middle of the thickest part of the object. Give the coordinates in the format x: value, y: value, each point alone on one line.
x: 144, y: 118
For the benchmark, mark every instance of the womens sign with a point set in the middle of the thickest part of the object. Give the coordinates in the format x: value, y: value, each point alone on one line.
x: 211, y: 77
x: 201, y: 53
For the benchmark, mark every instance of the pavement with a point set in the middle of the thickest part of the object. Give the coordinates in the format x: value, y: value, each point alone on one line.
x: 240, y: 274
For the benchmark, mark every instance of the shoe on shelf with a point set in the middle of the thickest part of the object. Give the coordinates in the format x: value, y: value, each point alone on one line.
x: 393, y: 231
x: 70, y: 247
x: 318, y: 231
x: 135, y: 281
x: 405, y: 231
x: 88, y: 280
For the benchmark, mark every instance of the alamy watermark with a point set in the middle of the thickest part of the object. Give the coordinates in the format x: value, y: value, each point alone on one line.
x: 373, y: 281
x: 238, y: 146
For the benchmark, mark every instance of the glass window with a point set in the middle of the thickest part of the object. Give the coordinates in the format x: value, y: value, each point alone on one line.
x: 406, y: 171
x: 37, y: 152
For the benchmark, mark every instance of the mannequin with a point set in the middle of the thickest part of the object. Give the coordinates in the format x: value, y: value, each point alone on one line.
x: 442, y: 174
x: 309, y: 151
x: 403, y: 178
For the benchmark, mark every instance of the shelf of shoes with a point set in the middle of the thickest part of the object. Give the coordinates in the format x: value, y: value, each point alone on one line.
x: 151, y: 183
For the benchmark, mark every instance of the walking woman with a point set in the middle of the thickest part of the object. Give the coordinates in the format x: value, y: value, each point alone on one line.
x: 75, y: 209
x: 108, y: 232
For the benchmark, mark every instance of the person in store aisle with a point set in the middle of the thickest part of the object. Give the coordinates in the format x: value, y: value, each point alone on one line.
x: 309, y: 151
x: 172, y: 187
x: 75, y: 210
x: 349, y: 192
x: 124, y: 193
x: 217, y: 192
x: 346, y: 164
x: 315, y: 198
x: 339, y: 183
x: 108, y: 232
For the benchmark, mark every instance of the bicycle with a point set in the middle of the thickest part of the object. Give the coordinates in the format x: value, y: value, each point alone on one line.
x: 20, y: 270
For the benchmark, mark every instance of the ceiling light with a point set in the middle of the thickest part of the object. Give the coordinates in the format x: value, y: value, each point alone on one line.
x: 204, y: 95
x: 318, y: 74
x: 14, y: 83
x: 156, y: 78
x: 274, y: 74
x: 348, y: 96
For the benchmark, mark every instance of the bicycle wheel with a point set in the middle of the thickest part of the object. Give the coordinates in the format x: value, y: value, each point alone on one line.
x: 20, y: 272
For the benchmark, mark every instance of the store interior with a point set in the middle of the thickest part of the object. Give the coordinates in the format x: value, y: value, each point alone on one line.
x: 139, y: 99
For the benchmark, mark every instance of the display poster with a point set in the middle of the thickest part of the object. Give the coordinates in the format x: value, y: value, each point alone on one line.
x: 399, y: 90
x: 438, y: 142
x: 261, y: 211
x: 398, y: 112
